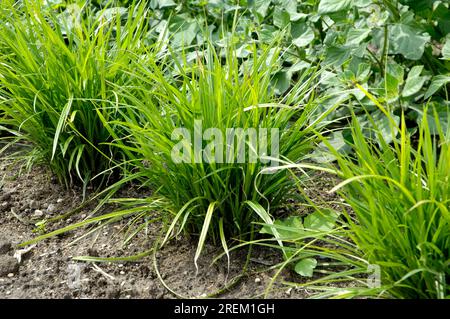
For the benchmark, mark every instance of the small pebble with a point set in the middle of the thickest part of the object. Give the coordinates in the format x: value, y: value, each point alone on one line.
x: 257, y: 280
x: 38, y: 213
x: 5, y: 246
x: 59, y: 200
x: 8, y: 264
x: 122, y: 272
x: 51, y: 208
x: 288, y: 292
x: 34, y: 204
x: 10, y: 275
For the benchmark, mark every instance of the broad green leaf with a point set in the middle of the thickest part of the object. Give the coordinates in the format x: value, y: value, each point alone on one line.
x: 186, y: 34
x: 302, y: 34
x: 111, y: 13
x: 268, y: 33
x: 53, y: 3
x: 290, y: 227
x: 446, y: 49
x: 390, y: 87
x: 437, y: 82
x: 281, y: 18
x: 337, y: 142
x: 363, y: 3
x: 301, y: 65
x: 321, y: 221
x: 336, y: 56
x: 291, y: 8
x: 243, y: 51
x: 379, y: 124
x: 414, y: 81
x: 356, y: 36
x: 70, y: 19
x: 305, y: 267
x: 289, y: 5
x: 397, y: 71
x: 166, y: 3
x: 282, y: 82
x: 261, y: 7
x: 363, y: 72
x: 330, y: 6
x: 407, y: 41
x: 442, y: 111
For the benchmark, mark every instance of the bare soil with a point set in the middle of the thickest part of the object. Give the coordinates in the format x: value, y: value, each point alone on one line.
x: 48, y: 270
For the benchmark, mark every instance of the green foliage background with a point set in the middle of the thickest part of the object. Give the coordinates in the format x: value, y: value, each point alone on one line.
x: 398, y: 50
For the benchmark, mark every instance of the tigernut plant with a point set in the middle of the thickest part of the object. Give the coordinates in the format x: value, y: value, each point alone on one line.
x: 315, y: 130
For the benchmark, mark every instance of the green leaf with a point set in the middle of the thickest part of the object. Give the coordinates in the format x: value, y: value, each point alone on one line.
x: 414, y: 81
x: 407, y: 41
x: 305, y: 267
x: 282, y: 82
x: 185, y: 34
x: 261, y: 7
x: 281, y: 18
x: 302, y: 34
x: 330, y: 6
x: 446, y: 49
x: 321, y: 221
x: 356, y: 36
x: 390, y: 86
x: 289, y: 5
x: 379, y: 124
x: 62, y: 120
x: 437, y: 82
x: 268, y: 33
x: 337, y: 142
x: 442, y: 112
x: 290, y: 227
x: 265, y: 216
x: 336, y: 56
x: 205, y: 228
x: 111, y: 13
x: 166, y: 3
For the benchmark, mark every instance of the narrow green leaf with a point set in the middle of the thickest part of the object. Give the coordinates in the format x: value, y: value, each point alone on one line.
x: 205, y: 228
x: 62, y: 120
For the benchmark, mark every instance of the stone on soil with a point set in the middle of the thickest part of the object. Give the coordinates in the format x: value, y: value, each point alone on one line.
x: 5, y: 246
x: 8, y: 265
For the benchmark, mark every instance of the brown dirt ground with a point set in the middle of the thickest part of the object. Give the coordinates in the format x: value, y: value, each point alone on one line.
x: 49, y: 271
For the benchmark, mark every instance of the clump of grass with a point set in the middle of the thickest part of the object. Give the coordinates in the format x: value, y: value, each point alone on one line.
x: 394, y: 238
x: 400, y: 195
x: 398, y: 222
x: 58, y: 80
x: 212, y: 198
